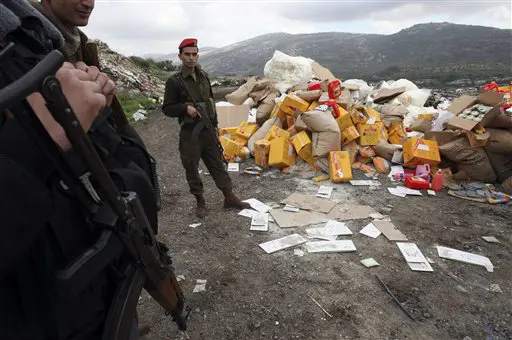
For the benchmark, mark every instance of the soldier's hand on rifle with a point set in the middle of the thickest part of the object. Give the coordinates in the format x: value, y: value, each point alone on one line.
x: 192, y: 111
x: 107, y: 85
x: 85, y: 97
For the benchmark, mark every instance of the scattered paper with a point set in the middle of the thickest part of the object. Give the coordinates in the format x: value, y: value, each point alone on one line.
x: 251, y: 118
x: 282, y: 243
x: 398, y: 157
x: 403, y: 192
x: 413, y: 192
x: 291, y: 208
x: 347, y: 212
x: 195, y: 225
x: 491, y: 239
x: 308, y: 202
x: 431, y: 192
x: 320, y: 237
x: 330, y: 246
x: 371, y: 231
x: 200, y: 286
x: 390, y: 231
x: 411, y: 252
x: 324, y: 192
x: 365, y: 183
x: 397, y: 192
x: 233, y: 167
x: 180, y: 278
x: 457, y: 255
x: 286, y: 219
x: 258, y: 206
x: 420, y: 266
x: 378, y: 216
x: 298, y: 252
x: 260, y: 222
x: 368, y: 263
x: 248, y: 213
x: 331, y: 228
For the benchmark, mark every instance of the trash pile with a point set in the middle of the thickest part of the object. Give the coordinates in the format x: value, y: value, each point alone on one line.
x: 300, y: 114
x: 127, y: 75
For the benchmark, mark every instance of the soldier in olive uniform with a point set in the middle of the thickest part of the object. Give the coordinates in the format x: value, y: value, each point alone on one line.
x: 189, y: 97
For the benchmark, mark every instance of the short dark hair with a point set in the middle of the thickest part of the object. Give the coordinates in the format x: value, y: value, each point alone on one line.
x: 181, y: 49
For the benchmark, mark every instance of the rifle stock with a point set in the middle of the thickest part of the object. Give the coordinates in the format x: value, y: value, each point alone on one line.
x: 150, y: 266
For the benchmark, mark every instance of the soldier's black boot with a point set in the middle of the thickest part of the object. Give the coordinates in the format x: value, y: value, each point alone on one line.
x: 231, y: 201
x: 201, y: 211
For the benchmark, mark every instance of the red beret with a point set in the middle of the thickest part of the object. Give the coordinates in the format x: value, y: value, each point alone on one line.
x: 189, y: 42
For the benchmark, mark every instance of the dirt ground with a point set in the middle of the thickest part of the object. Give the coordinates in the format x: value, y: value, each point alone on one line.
x: 254, y: 295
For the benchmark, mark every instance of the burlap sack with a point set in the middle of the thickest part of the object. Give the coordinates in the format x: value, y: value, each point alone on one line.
x: 500, y: 142
x: 502, y: 121
x: 421, y: 125
x: 242, y: 93
x: 262, y: 132
x: 309, y: 96
x: 507, y: 186
x: 472, y: 161
x: 299, y: 124
x: 326, y: 132
x: 386, y: 150
x: 502, y: 165
x: 265, y: 109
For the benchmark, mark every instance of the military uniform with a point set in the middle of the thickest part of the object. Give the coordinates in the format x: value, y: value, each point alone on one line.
x: 192, y: 87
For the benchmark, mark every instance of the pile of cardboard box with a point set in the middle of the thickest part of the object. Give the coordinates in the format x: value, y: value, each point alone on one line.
x: 340, y: 134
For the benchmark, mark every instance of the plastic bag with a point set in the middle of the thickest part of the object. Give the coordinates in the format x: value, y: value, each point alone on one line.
x: 443, y: 117
x: 285, y: 71
x: 409, y: 85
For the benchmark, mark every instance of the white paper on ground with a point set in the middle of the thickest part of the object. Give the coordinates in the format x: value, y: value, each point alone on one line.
x: 200, y: 286
x: 420, y: 266
x: 298, y: 252
x: 248, y: 213
x: 462, y: 256
x: 365, y: 183
x: 395, y: 169
x: 491, y: 239
x: 331, y: 228
x: 260, y: 222
x: 257, y: 205
x: 233, y: 167
x: 431, y: 192
x: 368, y: 263
x: 320, y: 237
x: 195, y: 225
x: 371, y: 231
x: 397, y: 192
x: 411, y: 252
x: 291, y: 208
x: 330, y: 246
x: 324, y: 192
x: 282, y: 243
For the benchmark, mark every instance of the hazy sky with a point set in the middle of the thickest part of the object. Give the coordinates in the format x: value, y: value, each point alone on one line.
x: 157, y: 26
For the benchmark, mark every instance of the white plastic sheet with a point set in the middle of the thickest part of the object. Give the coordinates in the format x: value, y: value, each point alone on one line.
x: 285, y: 71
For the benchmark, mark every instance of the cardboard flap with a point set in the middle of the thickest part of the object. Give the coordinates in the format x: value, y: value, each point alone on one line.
x: 385, y: 95
x: 490, y: 98
x: 460, y: 104
x: 321, y: 72
x: 461, y: 123
x: 232, y: 115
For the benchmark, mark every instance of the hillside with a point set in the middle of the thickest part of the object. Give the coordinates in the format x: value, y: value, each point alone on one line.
x: 437, y: 50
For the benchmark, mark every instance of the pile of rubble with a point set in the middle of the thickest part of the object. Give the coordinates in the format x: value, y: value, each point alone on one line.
x: 127, y: 75
x: 300, y: 113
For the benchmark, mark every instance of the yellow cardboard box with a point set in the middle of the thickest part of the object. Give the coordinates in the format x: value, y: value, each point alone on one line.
x: 421, y: 151
x: 246, y: 130
x: 231, y: 149
x: 228, y: 132
x: 348, y: 135
x: 340, y: 169
x: 383, y: 132
x: 278, y: 112
x: 396, y: 133
x: 358, y: 117
x: 281, y: 153
x: 261, y: 151
x: 371, y: 113
x: 368, y: 134
x: 240, y: 141
x: 295, y: 102
x: 313, y: 105
x: 344, y: 120
x: 303, y: 146
x: 275, y: 132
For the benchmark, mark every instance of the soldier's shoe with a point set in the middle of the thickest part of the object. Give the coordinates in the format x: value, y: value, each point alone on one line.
x: 231, y: 201
x: 201, y: 210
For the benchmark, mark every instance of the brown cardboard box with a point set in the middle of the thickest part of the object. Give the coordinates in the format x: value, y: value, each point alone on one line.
x: 321, y: 72
x: 489, y: 98
x: 385, y: 95
x: 232, y: 115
